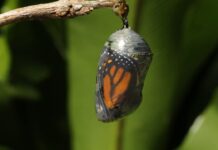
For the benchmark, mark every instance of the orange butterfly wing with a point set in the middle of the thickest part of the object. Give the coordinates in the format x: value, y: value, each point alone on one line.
x: 118, y: 86
x: 115, y: 85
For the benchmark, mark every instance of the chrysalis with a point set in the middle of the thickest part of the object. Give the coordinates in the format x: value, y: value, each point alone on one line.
x: 121, y: 73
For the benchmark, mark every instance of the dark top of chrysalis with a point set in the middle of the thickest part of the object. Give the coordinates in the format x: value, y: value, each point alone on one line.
x: 128, y: 42
x: 125, y: 23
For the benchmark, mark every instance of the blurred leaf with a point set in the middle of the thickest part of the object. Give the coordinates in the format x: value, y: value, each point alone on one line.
x: 39, y: 72
x: 22, y: 92
x: 57, y: 31
x: 1, y: 4
x: 196, y: 99
x: 9, y: 4
x: 4, y: 59
x: 202, y: 135
x: 4, y: 148
x: 198, y: 66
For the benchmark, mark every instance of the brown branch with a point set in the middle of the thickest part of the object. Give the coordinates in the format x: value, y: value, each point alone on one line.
x: 58, y: 9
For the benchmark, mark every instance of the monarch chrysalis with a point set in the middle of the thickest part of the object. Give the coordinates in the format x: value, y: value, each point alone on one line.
x: 121, y: 73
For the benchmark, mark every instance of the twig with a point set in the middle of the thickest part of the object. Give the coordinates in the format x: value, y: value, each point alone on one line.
x: 58, y: 9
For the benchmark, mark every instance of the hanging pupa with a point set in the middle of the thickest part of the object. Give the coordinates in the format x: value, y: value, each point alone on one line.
x: 121, y: 72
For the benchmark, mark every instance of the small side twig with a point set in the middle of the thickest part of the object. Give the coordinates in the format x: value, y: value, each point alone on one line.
x: 58, y: 9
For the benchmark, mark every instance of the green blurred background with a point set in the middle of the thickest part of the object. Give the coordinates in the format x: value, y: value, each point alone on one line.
x: 48, y: 69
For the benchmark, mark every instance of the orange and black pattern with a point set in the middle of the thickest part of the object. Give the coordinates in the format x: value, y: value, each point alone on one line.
x: 117, y: 87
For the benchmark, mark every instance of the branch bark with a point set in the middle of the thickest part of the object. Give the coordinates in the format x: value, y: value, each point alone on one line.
x: 55, y: 10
